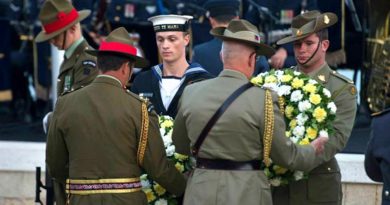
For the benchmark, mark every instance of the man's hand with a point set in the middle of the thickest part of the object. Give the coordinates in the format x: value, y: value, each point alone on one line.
x: 277, y: 60
x: 319, y: 144
x: 45, y: 122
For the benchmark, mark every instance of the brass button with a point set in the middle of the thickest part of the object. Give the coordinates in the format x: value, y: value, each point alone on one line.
x: 386, y: 193
x: 58, y: 80
x: 2, y: 55
x: 118, y: 7
x: 117, y: 18
x: 329, y: 168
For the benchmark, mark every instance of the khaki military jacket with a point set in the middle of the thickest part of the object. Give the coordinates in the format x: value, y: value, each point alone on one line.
x: 236, y: 136
x: 95, y: 133
x: 77, y: 71
x: 324, y: 183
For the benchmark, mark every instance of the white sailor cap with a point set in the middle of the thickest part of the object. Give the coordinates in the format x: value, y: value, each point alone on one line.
x: 170, y: 22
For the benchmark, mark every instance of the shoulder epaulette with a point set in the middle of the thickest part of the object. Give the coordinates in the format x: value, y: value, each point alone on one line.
x: 145, y: 100
x: 342, y: 77
x: 71, y: 90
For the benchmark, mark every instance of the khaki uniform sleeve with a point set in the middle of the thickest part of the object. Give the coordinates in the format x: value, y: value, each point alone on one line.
x: 180, y: 135
x: 343, y: 124
x: 283, y: 151
x: 156, y: 164
x: 57, y: 156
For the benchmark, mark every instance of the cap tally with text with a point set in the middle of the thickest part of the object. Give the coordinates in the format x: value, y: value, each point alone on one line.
x: 170, y: 22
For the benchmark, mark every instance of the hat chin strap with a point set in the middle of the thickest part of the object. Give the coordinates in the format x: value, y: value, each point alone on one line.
x: 64, y: 40
x: 318, y: 46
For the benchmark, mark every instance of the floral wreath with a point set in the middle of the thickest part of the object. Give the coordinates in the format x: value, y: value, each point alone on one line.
x: 308, y: 111
x: 156, y: 194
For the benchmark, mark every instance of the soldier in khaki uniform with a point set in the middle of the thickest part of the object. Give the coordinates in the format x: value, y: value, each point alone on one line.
x: 102, y: 136
x: 310, y: 38
x: 228, y: 162
x: 61, y: 27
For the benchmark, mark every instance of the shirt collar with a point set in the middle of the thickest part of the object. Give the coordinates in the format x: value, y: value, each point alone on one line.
x: 72, y: 48
x: 232, y: 74
x: 109, y: 76
x: 192, y: 68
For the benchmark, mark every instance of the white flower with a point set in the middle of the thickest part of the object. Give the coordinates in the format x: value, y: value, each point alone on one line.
x: 162, y: 131
x: 304, y: 105
x: 311, y: 81
x: 144, y: 181
x: 302, y: 118
x: 272, y: 86
x: 324, y: 133
x: 296, y: 96
x: 296, y: 73
x: 275, y: 182
x: 167, y: 139
x: 294, y: 139
x: 263, y: 74
x: 299, y: 131
x: 326, y: 92
x: 332, y: 107
x: 170, y: 150
x: 161, y: 202
x: 284, y: 90
x: 298, y: 175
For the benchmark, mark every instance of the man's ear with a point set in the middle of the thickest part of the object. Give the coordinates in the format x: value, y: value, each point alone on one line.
x: 325, y: 45
x: 187, y: 39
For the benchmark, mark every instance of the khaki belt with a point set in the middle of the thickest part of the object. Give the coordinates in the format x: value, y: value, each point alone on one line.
x: 102, y: 186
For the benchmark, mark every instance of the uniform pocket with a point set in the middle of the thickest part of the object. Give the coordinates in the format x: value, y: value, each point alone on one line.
x: 324, y: 187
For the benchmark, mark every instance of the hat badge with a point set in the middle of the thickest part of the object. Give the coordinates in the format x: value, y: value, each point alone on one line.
x: 326, y: 19
x: 299, y: 32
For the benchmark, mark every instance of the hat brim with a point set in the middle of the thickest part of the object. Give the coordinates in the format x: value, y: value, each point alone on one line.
x: 139, y: 62
x: 289, y: 39
x: 261, y: 49
x: 42, y: 36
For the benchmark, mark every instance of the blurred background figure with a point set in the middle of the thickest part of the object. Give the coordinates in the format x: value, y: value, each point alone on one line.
x: 219, y: 14
x: 377, y: 157
x: 273, y: 17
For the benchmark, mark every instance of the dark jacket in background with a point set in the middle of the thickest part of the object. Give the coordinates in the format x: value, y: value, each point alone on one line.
x: 377, y: 158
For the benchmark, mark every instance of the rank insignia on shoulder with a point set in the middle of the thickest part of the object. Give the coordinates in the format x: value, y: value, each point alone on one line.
x: 353, y: 90
x: 89, y: 63
x: 146, y: 95
x: 322, y: 78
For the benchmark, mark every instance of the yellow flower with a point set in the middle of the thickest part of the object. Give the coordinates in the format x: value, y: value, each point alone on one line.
x: 311, y: 133
x: 179, y: 166
x: 304, y: 141
x: 149, y: 195
x: 289, y: 111
x: 279, y: 170
x: 258, y: 80
x: 270, y: 79
x: 315, y: 99
x: 297, y: 83
x: 159, y: 189
x: 310, y: 88
x: 320, y: 114
x: 286, y: 78
x: 293, y: 123
x: 180, y: 157
x: 167, y: 123
x: 288, y: 133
